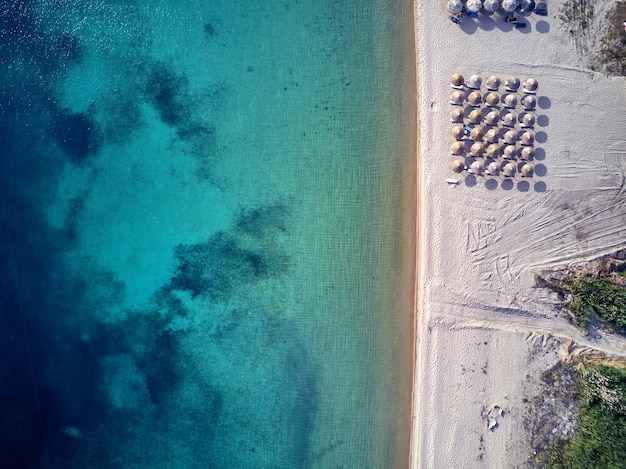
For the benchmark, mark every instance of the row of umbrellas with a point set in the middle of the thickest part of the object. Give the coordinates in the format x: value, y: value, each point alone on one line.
x: 493, y: 83
x: 489, y: 6
x: 492, y: 99
x: 506, y: 117
x: 494, y: 167
x: 493, y: 150
x: 476, y: 134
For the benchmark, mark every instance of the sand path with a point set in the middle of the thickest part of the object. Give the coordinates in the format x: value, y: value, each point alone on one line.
x: 484, y: 332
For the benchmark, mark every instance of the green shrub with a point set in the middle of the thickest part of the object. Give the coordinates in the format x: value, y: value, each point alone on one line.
x: 600, y: 439
x: 598, y: 296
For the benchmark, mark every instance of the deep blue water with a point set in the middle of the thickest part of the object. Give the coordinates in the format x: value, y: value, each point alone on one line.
x: 203, y: 218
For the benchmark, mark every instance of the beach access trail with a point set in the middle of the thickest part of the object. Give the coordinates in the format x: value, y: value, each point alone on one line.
x: 484, y: 331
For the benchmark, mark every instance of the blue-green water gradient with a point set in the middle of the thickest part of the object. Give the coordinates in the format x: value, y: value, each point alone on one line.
x: 207, y: 243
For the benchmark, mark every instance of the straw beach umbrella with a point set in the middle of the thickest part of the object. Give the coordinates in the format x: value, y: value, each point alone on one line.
x: 457, y: 97
x: 510, y: 152
x: 473, y: 6
x: 527, y: 170
x: 493, y: 83
x: 527, y: 6
x: 457, y: 79
x: 456, y: 115
x: 457, y: 148
x: 492, y: 117
x: 493, y: 151
x: 530, y: 85
x: 475, y: 117
x: 493, y: 168
x: 528, y: 119
x: 475, y: 98
x: 510, y: 100
x: 510, y: 137
x: 509, y: 5
x: 528, y: 138
x: 475, y: 80
x: 477, y: 149
x: 491, y: 6
x: 458, y: 165
x: 476, y: 134
x: 529, y: 102
x: 458, y: 132
x: 527, y: 153
x: 509, y: 169
x: 455, y: 6
x: 491, y: 136
x: 509, y: 119
x: 492, y: 99
x: 477, y: 167
x: 512, y: 83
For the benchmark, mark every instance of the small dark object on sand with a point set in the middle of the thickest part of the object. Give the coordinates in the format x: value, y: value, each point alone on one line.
x: 541, y: 8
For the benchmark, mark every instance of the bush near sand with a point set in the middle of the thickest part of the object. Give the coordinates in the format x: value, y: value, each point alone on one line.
x: 594, y: 296
x: 592, y: 395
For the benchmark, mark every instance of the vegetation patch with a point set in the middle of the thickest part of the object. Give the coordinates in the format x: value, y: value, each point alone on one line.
x: 600, y: 297
x: 599, y: 440
x: 593, y: 296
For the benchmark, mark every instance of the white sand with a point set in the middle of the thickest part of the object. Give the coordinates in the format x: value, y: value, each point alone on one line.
x: 483, y: 330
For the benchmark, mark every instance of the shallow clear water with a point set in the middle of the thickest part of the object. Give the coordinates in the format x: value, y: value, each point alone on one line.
x: 207, y: 243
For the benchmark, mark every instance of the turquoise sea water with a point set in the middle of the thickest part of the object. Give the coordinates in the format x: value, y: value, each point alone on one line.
x: 207, y: 233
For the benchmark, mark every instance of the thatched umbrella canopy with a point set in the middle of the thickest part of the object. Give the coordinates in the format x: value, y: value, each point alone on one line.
x: 455, y: 6
x: 458, y: 165
x: 528, y: 119
x: 477, y: 149
x: 530, y: 85
x: 529, y: 102
x: 510, y: 137
x: 476, y: 116
x: 475, y: 80
x: 509, y: 169
x: 475, y: 98
x: 527, y: 153
x: 473, y: 6
x: 493, y: 151
x: 510, y: 100
x: 477, y: 134
x: 510, y: 152
x: 492, y: 99
x: 492, y: 117
x: 509, y: 5
x: 477, y: 167
x: 491, y: 136
x: 493, y: 168
x: 457, y: 79
x: 528, y: 137
x: 509, y: 119
x: 491, y: 6
x: 458, y: 132
x: 512, y: 83
x: 527, y: 170
x: 456, y: 115
x: 527, y: 6
x: 493, y: 83
x: 457, y: 148
x: 457, y: 97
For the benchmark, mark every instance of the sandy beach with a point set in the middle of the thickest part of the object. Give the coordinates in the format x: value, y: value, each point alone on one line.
x: 484, y: 332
